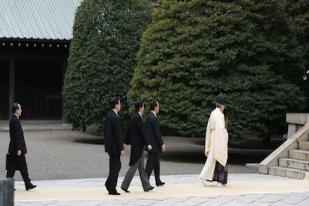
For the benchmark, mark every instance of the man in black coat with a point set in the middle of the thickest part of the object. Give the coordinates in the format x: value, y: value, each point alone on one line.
x: 153, y: 136
x: 136, y: 137
x: 113, y: 145
x: 16, y: 157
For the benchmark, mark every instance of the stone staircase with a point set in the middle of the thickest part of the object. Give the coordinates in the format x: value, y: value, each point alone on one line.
x: 291, y: 159
x: 296, y: 165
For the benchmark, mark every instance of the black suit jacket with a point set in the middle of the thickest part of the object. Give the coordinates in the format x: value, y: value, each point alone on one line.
x: 17, y: 140
x: 136, y: 137
x: 112, y: 138
x: 153, y: 133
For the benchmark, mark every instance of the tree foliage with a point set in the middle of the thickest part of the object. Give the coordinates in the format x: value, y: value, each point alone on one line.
x: 194, y: 50
x: 106, y: 38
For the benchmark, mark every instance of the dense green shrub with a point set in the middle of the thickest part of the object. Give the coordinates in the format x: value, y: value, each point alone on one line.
x: 106, y: 38
x: 194, y: 50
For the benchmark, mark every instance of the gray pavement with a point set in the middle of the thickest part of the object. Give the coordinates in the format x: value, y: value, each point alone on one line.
x: 291, y: 199
x: 72, y: 155
x: 214, y: 196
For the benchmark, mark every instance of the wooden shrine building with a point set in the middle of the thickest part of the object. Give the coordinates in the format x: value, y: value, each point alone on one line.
x: 34, y: 47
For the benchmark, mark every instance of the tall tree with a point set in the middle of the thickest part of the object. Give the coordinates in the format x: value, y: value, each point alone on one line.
x: 194, y: 50
x: 106, y: 38
x: 297, y: 14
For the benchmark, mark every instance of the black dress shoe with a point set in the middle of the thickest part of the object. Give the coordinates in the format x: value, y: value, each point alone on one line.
x: 127, y: 191
x: 30, y: 187
x: 150, y: 188
x: 160, y: 184
x: 113, y: 192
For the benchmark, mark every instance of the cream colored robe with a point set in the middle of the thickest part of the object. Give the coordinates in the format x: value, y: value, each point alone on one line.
x: 216, y: 144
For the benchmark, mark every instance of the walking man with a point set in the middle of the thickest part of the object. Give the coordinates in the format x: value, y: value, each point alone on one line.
x: 216, y: 146
x: 16, y: 157
x: 153, y: 136
x: 136, y: 137
x: 113, y: 145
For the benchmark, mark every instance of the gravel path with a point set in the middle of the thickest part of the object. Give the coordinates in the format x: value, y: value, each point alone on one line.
x: 72, y: 155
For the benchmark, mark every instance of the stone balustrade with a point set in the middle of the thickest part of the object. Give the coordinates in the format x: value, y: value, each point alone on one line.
x: 7, y: 192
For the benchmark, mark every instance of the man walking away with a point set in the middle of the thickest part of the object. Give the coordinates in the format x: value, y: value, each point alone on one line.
x: 136, y: 137
x: 216, y: 146
x: 113, y: 145
x: 16, y: 157
x: 153, y: 136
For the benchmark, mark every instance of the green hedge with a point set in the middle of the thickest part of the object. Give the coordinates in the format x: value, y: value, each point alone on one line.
x: 194, y: 50
x: 297, y: 14
x: 106, y: 38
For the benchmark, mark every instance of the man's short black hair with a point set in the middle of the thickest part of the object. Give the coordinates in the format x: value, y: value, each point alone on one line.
x: 15, y: 107
x: 114, y: 101
x: 139, y: 104
x: 153, y: 104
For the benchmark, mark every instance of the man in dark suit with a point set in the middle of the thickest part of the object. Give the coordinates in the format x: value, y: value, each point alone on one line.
x: 113, y: 145
x: 136, y: 137
x: 16, y: 157
x: 153, y: 136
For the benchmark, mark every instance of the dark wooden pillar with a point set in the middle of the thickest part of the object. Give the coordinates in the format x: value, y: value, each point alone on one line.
x: 64, y: 67
x: 11, y: 84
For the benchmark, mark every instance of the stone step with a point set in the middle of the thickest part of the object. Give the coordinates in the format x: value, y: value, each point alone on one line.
x: 293, y: 163
x: 303, y: 145
x: 287, y: 172
x: 299, y: 155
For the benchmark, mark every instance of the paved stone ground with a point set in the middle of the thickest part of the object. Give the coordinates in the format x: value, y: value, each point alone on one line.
x: 182, y: 190
x: 292, y: 199
x: 56, y: 155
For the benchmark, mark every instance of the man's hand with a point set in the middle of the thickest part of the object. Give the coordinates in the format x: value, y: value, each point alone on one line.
x: 122, y: 152
x: 149, y: 147
x: 18, y: 152
x: 163, y: 147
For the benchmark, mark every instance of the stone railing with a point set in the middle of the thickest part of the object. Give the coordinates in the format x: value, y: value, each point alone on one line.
x: 296, y: 121
x: 6, y: 192
x: 298, y: 130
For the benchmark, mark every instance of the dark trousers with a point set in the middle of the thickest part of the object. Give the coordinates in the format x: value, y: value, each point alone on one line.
x: 220, y: 173
x: 22, y: 167
x: 153, y: 164
x: 114, y: 168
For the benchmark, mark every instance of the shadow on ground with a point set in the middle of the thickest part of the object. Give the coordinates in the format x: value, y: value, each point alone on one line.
x: 95, y: 141
x: 196, y: 155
